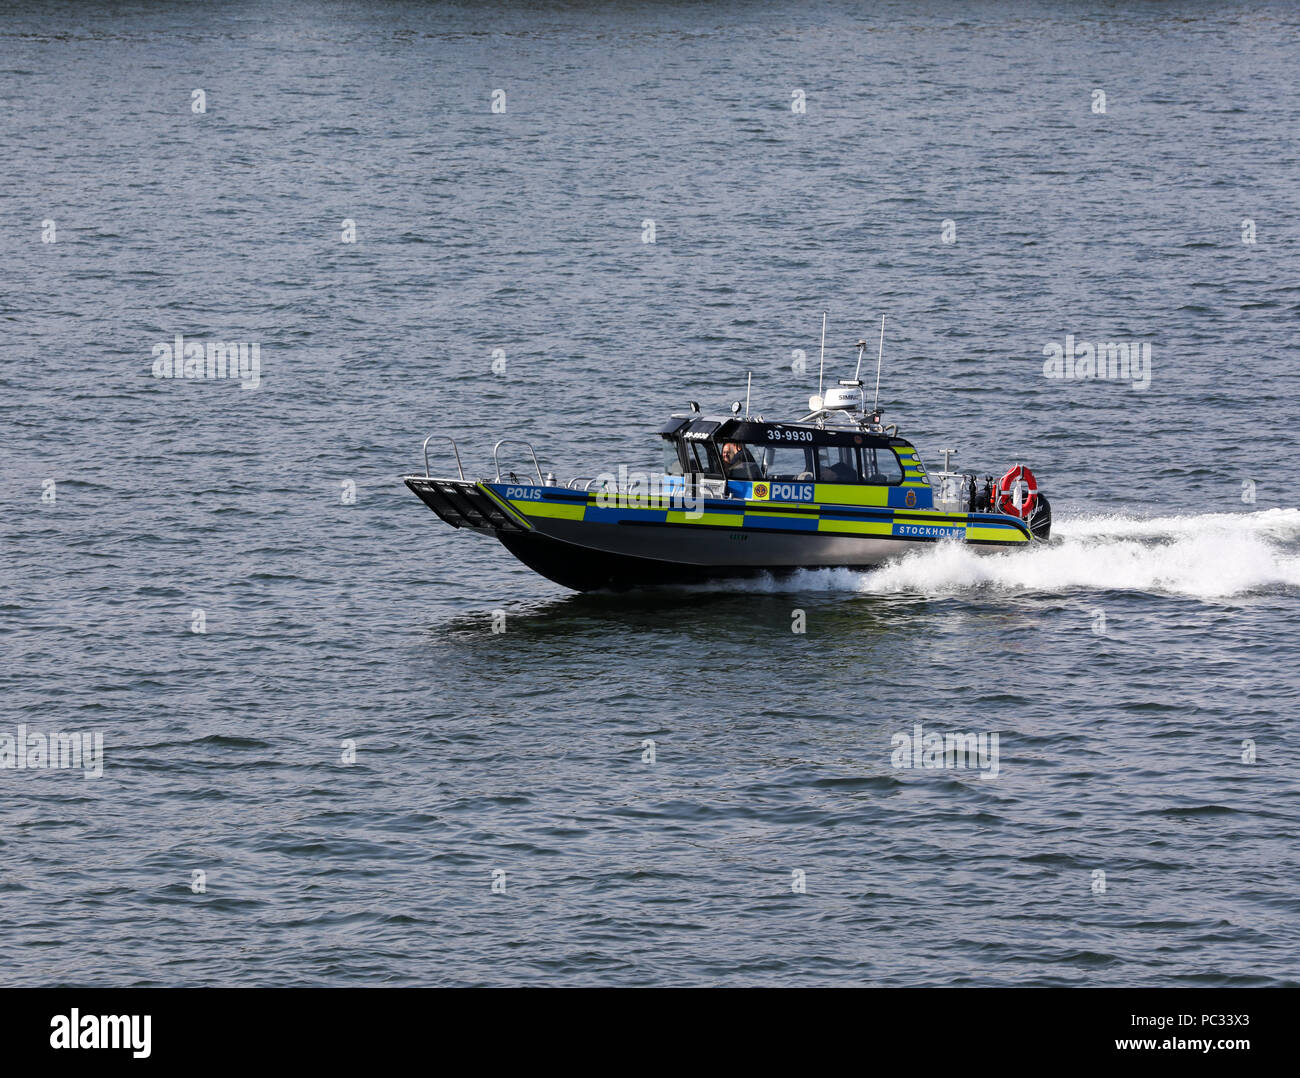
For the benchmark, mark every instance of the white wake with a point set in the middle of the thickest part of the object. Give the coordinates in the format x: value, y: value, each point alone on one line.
x: 1209, y: 555
x: 1206, y: 555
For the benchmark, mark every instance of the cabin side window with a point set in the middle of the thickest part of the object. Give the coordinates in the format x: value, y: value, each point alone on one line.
x: 776, y: 463
x: 880, y: 465
x: 875, y: 465
x: 785, y: 463
x: 837, y: 464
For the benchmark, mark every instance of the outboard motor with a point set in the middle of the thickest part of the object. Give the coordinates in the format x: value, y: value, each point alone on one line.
x: 1040, y: 520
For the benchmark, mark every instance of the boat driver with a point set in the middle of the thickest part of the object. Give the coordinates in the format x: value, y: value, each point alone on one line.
x: 738, y: 463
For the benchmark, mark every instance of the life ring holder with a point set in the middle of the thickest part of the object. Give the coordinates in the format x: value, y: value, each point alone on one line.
x: 1006, y: 502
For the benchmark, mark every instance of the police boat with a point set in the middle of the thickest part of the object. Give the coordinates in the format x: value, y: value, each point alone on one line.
x: 740, y: 496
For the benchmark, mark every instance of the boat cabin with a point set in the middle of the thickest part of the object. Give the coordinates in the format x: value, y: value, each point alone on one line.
x: 749, y: 450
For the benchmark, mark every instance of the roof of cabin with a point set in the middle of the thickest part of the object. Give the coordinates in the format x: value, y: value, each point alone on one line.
x: 696, y: 427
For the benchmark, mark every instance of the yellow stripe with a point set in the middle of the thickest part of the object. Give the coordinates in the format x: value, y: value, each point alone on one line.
x: 850, y: 494
x: 1004, y: 535
x: 734, y: 520
x: 863, y: 527
x: 506, y: 506
x: 551, y: 509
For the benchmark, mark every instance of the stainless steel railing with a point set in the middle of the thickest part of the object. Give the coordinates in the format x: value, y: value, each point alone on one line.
x: 528, y: 445
x: 454, y: 448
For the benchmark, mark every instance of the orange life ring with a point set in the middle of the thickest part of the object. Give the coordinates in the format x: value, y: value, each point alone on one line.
x: 1006, y: 501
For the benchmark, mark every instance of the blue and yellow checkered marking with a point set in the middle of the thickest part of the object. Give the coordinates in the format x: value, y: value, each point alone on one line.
x: 876, y: 510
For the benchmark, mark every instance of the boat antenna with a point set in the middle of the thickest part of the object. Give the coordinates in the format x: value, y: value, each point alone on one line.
x: 749, y: 382
x: 879, y: 358
x: 822, y: 368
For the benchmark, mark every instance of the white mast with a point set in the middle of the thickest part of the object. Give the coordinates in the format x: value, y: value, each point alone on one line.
x: 879, y: 358
x: 822, y: 368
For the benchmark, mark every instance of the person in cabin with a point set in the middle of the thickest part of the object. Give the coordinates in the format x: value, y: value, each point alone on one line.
x: 738, y: 463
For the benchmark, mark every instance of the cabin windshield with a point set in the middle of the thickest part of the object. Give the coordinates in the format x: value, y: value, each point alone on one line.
x: 701, y: 458
x: 672, y: 458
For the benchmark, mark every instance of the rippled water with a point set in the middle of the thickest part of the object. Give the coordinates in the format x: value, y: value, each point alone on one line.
x: 1124, y: 667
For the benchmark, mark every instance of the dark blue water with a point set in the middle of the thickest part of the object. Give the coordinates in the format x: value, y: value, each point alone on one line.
x: 1124, y: 668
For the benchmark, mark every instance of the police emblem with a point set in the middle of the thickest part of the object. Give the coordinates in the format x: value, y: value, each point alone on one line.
x: 910, y: 499
x: 760, y: 492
